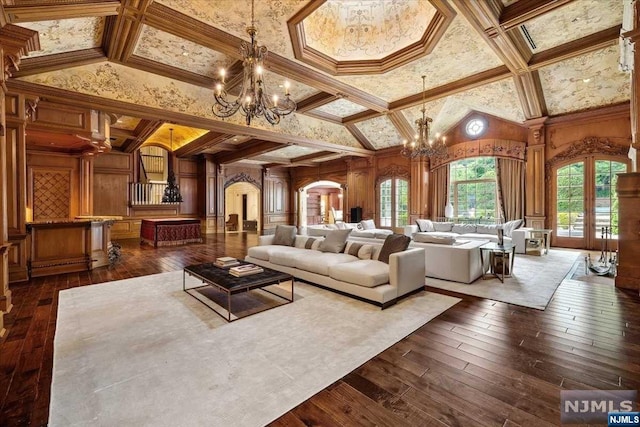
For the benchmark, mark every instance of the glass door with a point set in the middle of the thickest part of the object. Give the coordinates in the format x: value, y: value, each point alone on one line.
x: 570, y: 206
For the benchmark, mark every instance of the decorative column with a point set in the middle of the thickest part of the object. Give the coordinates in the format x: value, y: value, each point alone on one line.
x: 15, y: 42
x: 86, y: 185
x: 535, y: 174
x: 628, y: 189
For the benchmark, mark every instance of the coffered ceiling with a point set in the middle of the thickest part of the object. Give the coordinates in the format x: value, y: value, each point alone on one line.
x: 355, y: 67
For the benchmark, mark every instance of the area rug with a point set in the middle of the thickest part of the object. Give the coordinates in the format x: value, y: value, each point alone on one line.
x: 141, y: 352
x: 532, y: 284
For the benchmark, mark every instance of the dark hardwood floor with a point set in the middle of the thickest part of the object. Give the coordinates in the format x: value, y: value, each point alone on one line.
x: 480, y: 363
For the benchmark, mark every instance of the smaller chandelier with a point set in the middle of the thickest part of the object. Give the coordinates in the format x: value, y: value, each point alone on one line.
x: 423, y: 145
x: 253, y: 100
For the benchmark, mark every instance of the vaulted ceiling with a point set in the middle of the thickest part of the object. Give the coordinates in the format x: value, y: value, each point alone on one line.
x: 355, y: 67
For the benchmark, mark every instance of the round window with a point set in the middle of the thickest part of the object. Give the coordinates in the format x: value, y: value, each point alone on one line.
x: 475, y: 127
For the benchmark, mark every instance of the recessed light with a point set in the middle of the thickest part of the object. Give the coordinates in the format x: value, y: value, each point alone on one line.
x: 185, y: 53
x: 235, y: 139
x: 586, y: 80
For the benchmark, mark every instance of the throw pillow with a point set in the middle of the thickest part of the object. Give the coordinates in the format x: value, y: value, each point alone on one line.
x: 334, y: 241
x: 488, y: 229
x: 424, y: 225
x: 309, y: 243
x: 392, y: 244
x: 428, y: 238
x: 443, y: 226
x: 509, y: 226
x: 361, y: 250
x: 368, y: 224
x: 285, y: 235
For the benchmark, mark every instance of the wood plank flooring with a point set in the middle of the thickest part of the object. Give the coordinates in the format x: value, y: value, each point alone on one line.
x: 481, y: 363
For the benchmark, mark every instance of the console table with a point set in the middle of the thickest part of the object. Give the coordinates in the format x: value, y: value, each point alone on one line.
x: 170, y: 231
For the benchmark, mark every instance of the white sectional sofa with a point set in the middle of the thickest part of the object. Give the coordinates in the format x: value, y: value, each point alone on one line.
x: 457, y: 262
x: 357, y: 228
x: 367, y: 279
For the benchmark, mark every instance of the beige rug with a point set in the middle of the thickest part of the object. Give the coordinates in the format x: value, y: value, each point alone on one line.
x: 141, y: 352
x: 532, y: 284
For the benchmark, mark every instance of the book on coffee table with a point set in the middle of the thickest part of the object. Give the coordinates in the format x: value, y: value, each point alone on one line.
x: 245, y: 270
x: 226, y: 261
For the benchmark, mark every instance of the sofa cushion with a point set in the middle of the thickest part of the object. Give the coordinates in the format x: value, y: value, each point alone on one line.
x: 285, y: 235
x: 334, y: 241
x: 509, y: 226
x: 381, y: 234
x: 392, y: 244
x: 463, y: 228
x: 265, y: 252
x: 320, y: 262
x: 488, y: 228
x: 288, y: 258
x: 442, y: 226
x: 361, y: 250
x: 425, y: 225
x: 368, y: 273
x: 431, y: 238
x: 370, y: 234
x: 368, y: 224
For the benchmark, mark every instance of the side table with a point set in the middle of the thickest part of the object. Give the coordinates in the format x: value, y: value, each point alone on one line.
x: 499, y: 259
x: 538, y: 242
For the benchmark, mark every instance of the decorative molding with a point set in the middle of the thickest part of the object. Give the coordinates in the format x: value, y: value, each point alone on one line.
x: 433, y: 33
x: 31, y: 11
x: 393, y: 171
x: 60, y: 61
x: 503, y: 148
x: 521, y: 11
x: 531, y: 96
x: 588, y: 145
x: 242, y: 177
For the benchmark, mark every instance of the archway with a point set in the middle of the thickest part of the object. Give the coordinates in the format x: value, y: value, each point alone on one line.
x: 320, y: 202
x: 242, y: 208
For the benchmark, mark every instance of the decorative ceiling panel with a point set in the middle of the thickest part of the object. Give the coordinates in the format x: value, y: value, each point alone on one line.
x: 340, y: 108
x: 126, y: 122
x: 292, y: 151
x: 380, y: 132
x: 234, y: 16
x: 584, y: 82
x: 168, y: 49
x: 137, y: 87
x: 499, y: 99
x: 275, y: 86
x: 67, y: 35
x: 182, y: 135
x: 364, y: 30
x: 573, y: 21
x: 459, y: 45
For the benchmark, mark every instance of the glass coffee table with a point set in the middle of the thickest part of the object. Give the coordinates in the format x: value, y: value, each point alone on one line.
x: 499, y: 258
x: 219, y: 286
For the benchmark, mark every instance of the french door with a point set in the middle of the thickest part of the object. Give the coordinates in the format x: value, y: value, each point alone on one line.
x: 585, y: 202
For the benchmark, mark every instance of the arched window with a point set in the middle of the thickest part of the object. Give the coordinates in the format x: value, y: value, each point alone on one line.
x: 473, y: 189
x: 394, y: 202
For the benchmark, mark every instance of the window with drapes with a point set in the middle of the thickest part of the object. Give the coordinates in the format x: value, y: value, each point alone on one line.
x: 394, y: 202
x: 473, y: 188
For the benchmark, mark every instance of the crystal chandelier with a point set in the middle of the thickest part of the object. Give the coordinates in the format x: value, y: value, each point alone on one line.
x: 253, y: 100
x: 423, y: 145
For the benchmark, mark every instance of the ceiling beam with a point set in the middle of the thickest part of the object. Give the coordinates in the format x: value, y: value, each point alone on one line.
x: 122, y: 32
x: 198, y: 145
x: 129, y: 108
x: 252, y: 148
x: 590, y: 43
x: 324, y: 116
x: 531, y: 96
x: 510, y: 46
x: 314, y: 101
x: 521, y: 11
x: 52, y: 11
x: 169, y: 71
x: 122, y: 133
x: 313, y: 157
x: 142, y: 132
x: 402, y: 125
x: 59, y: 61
x: 359, y: 136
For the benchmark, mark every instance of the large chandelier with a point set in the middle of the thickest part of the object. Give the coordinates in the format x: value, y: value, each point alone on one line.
x: 423, y: 145
x: 253, y: 100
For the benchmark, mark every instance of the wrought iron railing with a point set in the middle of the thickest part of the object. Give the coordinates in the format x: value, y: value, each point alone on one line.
x: 147, y: 193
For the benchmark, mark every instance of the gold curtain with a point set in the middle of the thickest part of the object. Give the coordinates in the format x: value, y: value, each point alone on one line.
x: 439, y: 191
x: 510, y: 177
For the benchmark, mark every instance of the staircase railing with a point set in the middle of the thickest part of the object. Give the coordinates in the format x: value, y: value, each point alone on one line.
x: 147, y: 193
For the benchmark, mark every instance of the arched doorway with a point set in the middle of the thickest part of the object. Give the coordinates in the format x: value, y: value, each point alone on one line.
x: 320, y: 202
x: 242, y: 207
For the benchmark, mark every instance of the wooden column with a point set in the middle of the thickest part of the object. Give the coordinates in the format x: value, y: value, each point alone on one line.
x: 86, y: 185
x: 535, y: 176
x: 15, y: 42
x: 419, y: 187
x: 628, y: 189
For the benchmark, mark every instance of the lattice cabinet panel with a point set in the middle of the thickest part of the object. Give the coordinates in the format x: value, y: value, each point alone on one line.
x: 51, y: 194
